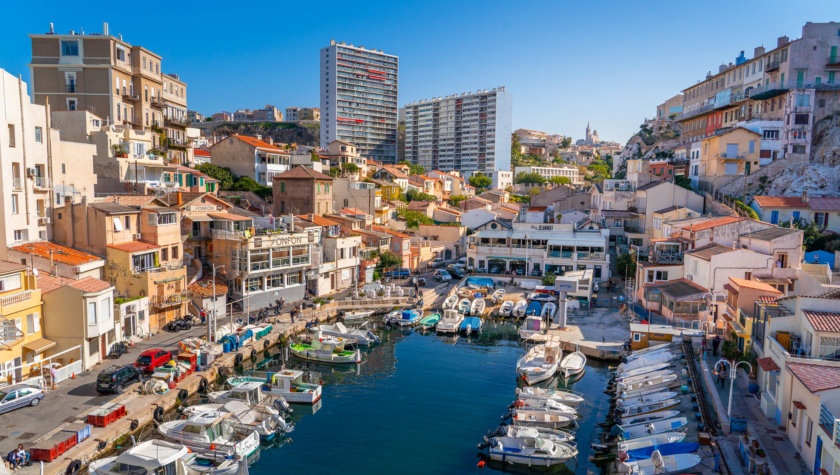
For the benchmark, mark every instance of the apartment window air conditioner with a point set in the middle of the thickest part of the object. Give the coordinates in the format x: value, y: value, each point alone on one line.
x: 137, y: 236
x: 43, y: 221
x: 30, y: 171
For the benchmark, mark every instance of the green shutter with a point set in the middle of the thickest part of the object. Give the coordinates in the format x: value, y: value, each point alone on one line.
x: 282, y: 187
x: 833, y: 57
x: 201, y: 181
x: 180, y: 179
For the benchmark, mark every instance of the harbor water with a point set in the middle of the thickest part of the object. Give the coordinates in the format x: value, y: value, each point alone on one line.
x: 419, y: 404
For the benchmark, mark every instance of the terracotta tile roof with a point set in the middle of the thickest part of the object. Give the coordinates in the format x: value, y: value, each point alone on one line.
x: 816, y: 377
x: 134, y: 246
x: 58, y: 252
x: 201, y: 152
x: 820, y: 203
x: 755, y: 285
x: 706, y: 252
x: 318, y: 220
x: 824, y: 321
x: 230, y: 216
x: 389, y: 231
x: 353, y: 211
x: 204, y: 287
x: 767, y: 364
x: 255, y: 142
x: 47, y: 283
x: 115, y: 208
x: 90, y: 284
x: 7, y: 267
x: 537, y: 208
x: 394, y: 171
x: 714, y: 222
x: 303, y: 172
x: 129, y: 200
x: 780, y: 202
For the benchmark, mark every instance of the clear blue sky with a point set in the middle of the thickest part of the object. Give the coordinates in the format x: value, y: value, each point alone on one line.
x: 565, y: 62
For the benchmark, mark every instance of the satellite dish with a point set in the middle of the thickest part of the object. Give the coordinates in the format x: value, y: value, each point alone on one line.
x: 35, y: 272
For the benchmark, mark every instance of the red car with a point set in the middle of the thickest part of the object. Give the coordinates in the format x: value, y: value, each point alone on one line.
x: 151, y: 359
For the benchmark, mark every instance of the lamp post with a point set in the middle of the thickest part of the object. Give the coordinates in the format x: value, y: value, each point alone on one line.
x: 714, y: 295
x: 211, y: 333
x: 732, y: 374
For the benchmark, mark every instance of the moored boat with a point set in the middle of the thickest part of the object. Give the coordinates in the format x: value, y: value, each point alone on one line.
x: 647, y: 408
x: 533, y: 392
x: 265, y: 421
x: 250, y: 393
x: 160, y: 456
x: 658, y: 463
x: 464, y: 306
x: 450, y: 302
x: 573, y: 363
x: 212, y: 433
x: 554, y: 435
x: 649, y: 360
x: 532, y: 418
x: 477, y: 307
x: 429, y: 321
x: 628, y: 388
x: 645, y: 418
x: 547, y: 405
x: 643, y: 370
x: 533, y: 325
x: 534, y: 308
x: 650, y: 441
x: 649, y: 398
x: 409, y: 318
x: 539, y: 363
x: 548, y: 310
x: 519, y: 308
x: 506, y: 308
x: 470, y: 325
x: 530, y: 449
x: 358, y: 315
x: 498, y: 295
x: 451, y: 321
x: 672, y: 448
x: 325, y: 350
x: 650, y: 428
x: 338, y: 330
x: 286, y: 383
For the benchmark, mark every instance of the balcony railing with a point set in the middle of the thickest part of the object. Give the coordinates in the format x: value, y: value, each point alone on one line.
x: 830, y: 424
x: 667, y: 257
x: 70, y: 87
x: 726, y: 156
x: 15, y: 298
x: 171, y: 300
x: 131, y: 97
x: 17, y: 183
x: 42, y: 182
x: 771, y: 65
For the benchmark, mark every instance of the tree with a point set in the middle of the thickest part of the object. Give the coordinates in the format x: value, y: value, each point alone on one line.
x: 566, y: 143
x: 224, y: 175
x: 413, y: 219
x: 549, y: 278
x: 480, y: 181
x: 335, y: 172
x: 414, y: 195
x: 529, y: 178
x: 813, y: 239
x: 683, y: 181
x: 520, y: 198
x: 349, y: 168
x: 388, y: 260
x: 412, y: 168
x: 313, y: 155
x: 625, y: 265
x: 245, y: 183
x: 560, y: 180
x: 455, y: 200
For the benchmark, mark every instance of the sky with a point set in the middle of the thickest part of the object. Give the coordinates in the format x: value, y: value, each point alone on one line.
x: 566, y: 62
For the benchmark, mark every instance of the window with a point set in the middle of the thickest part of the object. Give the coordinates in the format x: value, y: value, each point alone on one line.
x: 33, y: 323
x: 771, y: 134
x: 91, y: 313
x: 829, y: 346
x: 809, y: 428
x: 70, y: 48
x: 15, y: 207
x: 800, y: 134
x: 160, y: 219
x: 254, y: 284
x: 275, y: 281
x: 637, y: 337
x: 164, y: 254
x: 18, y: 235
x: 128, y: 222
x: 174, y: 252
x: 71, y: 104
x: 803, y: 100
x: 800, y: 119
x: 11, y: 135
x: 38, y: 132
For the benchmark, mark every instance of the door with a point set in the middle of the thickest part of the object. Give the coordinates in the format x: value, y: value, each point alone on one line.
x: 800, y: 78
x: 774, y: 217
x: 731, y: 150
x: 18, y: 369
x: 102, y: 350
x: 818, y: 456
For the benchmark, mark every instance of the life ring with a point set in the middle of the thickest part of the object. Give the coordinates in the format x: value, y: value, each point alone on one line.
x: 202, y: 385
x: 74, y: 467
x: 158, y: 414
x: 183, y: 395
x: 134, y: 424
x: 237, y: 360
x: 253, y: 354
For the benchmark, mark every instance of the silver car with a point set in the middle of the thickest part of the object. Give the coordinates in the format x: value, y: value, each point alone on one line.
x: 15, y: 397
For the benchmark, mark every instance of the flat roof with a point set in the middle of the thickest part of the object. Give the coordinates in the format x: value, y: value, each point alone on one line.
x: 770, y: 234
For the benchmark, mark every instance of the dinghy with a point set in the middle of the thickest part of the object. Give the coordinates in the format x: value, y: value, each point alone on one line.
x: 519, y: 308
x: 498, y: 295
x: 160, y: 456
x: 286, y: 383
x: 656, y: 358
x: 477, y: 307
x: 573, y: 363
x: 651, y: 349
x: 358, y: 315
x: 470, y: 325
x: 646, y: 352
x: 409, y: 318
x: 650, y: 428
x: 658, y: 463
x: 429, y: 321
x: 644, y: 376
x: 548, y: 310
x: 506, y: 308
x: 649, y: 398
x: 638, y: 386
x: 450, y: 302
x: 673, y: 448
x: 338, y: 330
x: 464, y: 306
x: 645, y: 418
x: 644, y: 370
x: 265, y: 421
x: 531, y: 450
x: 531, y: 418
x: 325, y: 350
x: 533, y: 392
x: 539, y: 363
x: 651, y: 441
x: 547, y: 405
x: 647, y: 408
x: 533, y: 325
x: 451, y: 321
x: 211, y: 433
x: 558, y: 436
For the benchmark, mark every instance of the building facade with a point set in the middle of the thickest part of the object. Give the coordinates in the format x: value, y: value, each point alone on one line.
x: 251, y: 157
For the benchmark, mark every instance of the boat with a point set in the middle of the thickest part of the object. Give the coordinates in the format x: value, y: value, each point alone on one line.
x: 519, y: 308
x: 429, y: 321
x: 573, y: 363
x: 647, y: 408
x: 532, y: 418
x: 641, y: 399
x: 393, y: 316
x: 658, y: 463
x: 450, y: 302
x: 210, y: 432
x: 534, y: 308
x: 644, y: 370
x: 464, y: 306
x: 161, y: 456
x: 325, y: 350
x: 644, y: 376
x: 543, y: 296
x: 267, y: 422
x: 531, y: 449
x: 539, y: 363
x: 650, y: 428
x: 637, y: 386
x: 409, y: 318
x: 650, y: 360
x: 250, y: 393
x: 506, y: 308
x: 651, y: 441
x: 673, y: 448
x: 547, y: 405
x: 566, y: 397
x: 554, y: 435
x: 286, y: 383
x: 477, y: 307
x: 533, y: 325
x: 548, y: 310
x: 358, y: 315
x: 498, y: 295
x: 470, y: 325
x: 645, y: 418
x: 338, y: 330
x: 635, y: 354
x: 451, y: 321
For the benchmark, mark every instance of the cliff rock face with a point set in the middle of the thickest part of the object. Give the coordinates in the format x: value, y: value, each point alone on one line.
x: 826, y: 140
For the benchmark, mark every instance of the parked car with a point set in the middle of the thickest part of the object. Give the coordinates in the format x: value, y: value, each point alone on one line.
x: 15, y: 397
x: 442, y: 276
x: 149, y: 360
x: 400, y: 273
x: 437, y: 262
x: 462, y: 261
x: 456, y: 271
x: 114, y: 379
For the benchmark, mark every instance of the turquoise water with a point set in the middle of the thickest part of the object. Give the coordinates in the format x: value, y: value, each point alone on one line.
x: 418, y: 404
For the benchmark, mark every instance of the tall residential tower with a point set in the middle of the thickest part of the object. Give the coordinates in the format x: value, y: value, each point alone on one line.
x: 359, y: 99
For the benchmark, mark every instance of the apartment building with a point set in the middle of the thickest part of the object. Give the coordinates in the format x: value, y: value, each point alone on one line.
x: 359, y: 99
x: 302, y: 191
x: 360, y: 195
x: 21, y: 323
x: 569, y: 171
x: 312, y: 114
x: 345, y: 155
x: 267, y: 114
x: 728, y: 153
x: 804, y: 208
x: 467, y: 132
x: 173, y: 100
x: 252, y: 157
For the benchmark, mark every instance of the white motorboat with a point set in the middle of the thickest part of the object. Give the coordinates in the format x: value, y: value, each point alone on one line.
x: 532, y: 418
x: 649, y: 398
x: 477, y: 307
x: 573, y: 363
x: 250, y: 393
x: 212, y: 433
x: 358, y: 315
x: 498, y: 295
x: 286, y: 383
x: 650, y: 428
x: 450, y: 302
x: 531, y: 450
x: 338, y: 330
x: 451, y: 321
x: 547, y: 405
x: 464, y: 306
x: 635, y: 387
x: 554, y: 435
x: 651, y: 441
x: 266, y: 421
x: 650, y: 360
x: 506, y: 308
x: 648, y: 408
x: 533, y: 325
x: 160, y: 456
x: 548, y: 310
x: 519, y: 308
x: 533, y: 392
x: 644, y: 370
x: 645, y: 418
x: 658, y: 463
x: 539, y: 363
x: 644, y: 376
x: 325, y: 350
x: 648, y: 351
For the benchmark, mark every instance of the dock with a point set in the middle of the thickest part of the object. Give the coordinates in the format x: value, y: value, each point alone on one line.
x: 600, y: 335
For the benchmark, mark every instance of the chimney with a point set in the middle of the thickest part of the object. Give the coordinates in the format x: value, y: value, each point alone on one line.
x: 180, y: 199
x: 805, y: 196
x: 270, y: 140
x: 52, y: 28
x: 759, y: 50
x: 105, y: 28
x: 783, y: 40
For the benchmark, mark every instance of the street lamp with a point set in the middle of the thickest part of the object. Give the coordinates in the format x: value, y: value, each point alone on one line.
x: 714, y: 295
x: 732, y: 374
x: 211, y: 333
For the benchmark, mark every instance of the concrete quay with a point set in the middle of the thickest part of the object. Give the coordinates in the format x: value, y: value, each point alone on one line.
x: 600, y: 335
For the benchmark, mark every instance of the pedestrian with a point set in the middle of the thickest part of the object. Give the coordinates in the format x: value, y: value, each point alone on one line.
x: 203, y: 316
x: 52, y: 376
x: 21, y: 456
x: 721, y: 380
x: 715, y: 345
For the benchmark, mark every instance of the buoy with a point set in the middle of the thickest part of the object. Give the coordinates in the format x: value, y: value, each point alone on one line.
x: 212, y: 446
x: 480, y: 464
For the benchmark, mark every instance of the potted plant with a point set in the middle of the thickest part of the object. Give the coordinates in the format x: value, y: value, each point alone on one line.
x: 119, y: 151
x: 760, y: 452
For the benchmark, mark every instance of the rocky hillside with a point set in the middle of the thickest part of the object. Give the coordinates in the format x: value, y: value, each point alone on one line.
x: 284, y: 133
x: 653, y: 135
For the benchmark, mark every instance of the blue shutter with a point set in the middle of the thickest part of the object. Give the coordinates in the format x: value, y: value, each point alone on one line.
x: 774, y: 217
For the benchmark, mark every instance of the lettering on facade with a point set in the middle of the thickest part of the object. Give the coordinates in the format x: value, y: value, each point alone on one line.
x: 204, y: 208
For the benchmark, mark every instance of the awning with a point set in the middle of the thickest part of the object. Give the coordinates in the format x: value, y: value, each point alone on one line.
x: 198, y: 217
x: 799, y: 405
x: 508, y: 258
x: 40, y: 345
x: 767, y: 364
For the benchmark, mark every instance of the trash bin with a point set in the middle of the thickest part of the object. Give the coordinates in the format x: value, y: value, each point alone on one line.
x: 226, y: 346
x: 737, y: 424
x: 753, y: 388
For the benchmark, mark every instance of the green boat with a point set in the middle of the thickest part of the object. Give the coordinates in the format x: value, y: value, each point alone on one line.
x: 429, y: 321
x: 325, y: 350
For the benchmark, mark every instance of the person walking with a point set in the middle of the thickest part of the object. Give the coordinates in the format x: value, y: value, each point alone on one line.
x: 52, y: 376
x: 721, y: 379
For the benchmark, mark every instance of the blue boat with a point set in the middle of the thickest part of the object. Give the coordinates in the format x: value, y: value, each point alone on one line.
x: 471, y: 325
x: 665, y: 449
x: 409, y: 318
x: 534, y: 308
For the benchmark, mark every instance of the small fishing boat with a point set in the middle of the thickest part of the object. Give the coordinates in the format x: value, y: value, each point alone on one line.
x: 429, y: 321
x: 470, y: 325
x: 649, y: 360
x: 539, y: 363
x: 644, y: 376
x: 210, y: 432
x: 338, y: 330
x: 573, y: 363
x: 392, y: 316
x: 530, y: 449
x: 637, y: 386
x: 644, y: 370
x: 547, y: 405
x: 558, y: 436
x: 409, y: 318
x: 649, y: 398
x: 651, y: 441
x: 645, y: 418
x: 358, y: 315
x: 477, y: 307
x: 267, y: 422
x: 534, y: 308
x: 250, y: 393
x: 506, y: 308
x: 533, y: 392
x: 498, y: 295
x: 325, y: 350
x: 533, y: 325
x: 548, y: 310
x: 467, y: 293
x: 647, y: 408
x: 450, y: 302
x: 658, y: 463
x: 532, y: 418
x: 286, y: 383
x: 519, y: 308
x: 650, y: 428
x: 161, y: 456
x: 673, y: 448
x: 451, y: 321
x: 464, y: 306
x: 646, y: 352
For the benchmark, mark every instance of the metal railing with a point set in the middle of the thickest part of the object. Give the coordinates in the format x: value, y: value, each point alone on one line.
x: 70, y: 88
x: 17, y: 183
x: 42, y: 182
x: 171, y: 299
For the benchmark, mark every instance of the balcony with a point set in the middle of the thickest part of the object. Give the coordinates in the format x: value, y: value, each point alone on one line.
x: 157, y: 102
x: 661, y: 257
x: 17, y: 184
x: 131, y: 97
x: 171, y: 299
x: 695, y: 112
x: 771, y: 65
x: 42, y: 183
x: 726, y: 156
x: 14, y: 299
x: 181, y: 124
x: 767, y: 91
x: 833, y: 62
x: 71, y: 88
